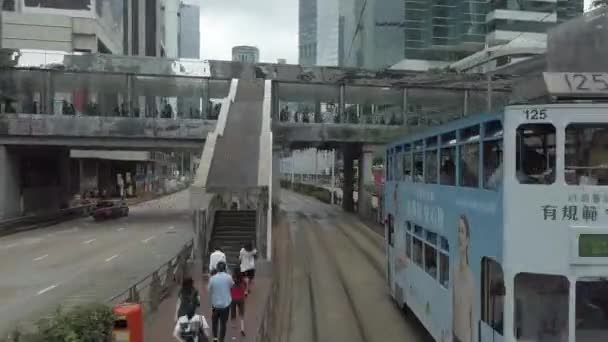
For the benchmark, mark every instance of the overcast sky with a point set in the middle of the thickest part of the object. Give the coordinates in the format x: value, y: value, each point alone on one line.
x: 271, y: 25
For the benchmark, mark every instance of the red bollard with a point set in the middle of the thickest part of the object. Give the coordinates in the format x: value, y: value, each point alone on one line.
x: 128, y: 326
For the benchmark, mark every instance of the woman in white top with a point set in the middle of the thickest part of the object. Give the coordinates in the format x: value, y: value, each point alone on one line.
x: 463, y: 287
x: 247, y: 258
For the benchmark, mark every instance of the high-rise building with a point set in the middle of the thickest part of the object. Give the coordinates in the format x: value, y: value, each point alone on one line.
x: 508, y: 20
x: 319, y: 32
x: 189, y: 31
x: 246, y: 54
x: 307, y: 32
x: 421, y: 34
x: 76, y: 25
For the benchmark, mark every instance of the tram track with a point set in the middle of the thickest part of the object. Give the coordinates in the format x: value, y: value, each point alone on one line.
x: 331, y: 258
x: 371, y: 258
x: 339, y: 288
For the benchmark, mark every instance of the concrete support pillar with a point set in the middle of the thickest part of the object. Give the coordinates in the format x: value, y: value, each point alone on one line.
x: 366, y: 180
x: 65, y: 177
x: 275, y: 101
x: 47, y: 103
x: 349, y: 155
x: 465, y: 104
x: 10, y: 191
x: 404, y: 109
x: 489, y: 100
x: 341, y: 104
x: 276, y: 176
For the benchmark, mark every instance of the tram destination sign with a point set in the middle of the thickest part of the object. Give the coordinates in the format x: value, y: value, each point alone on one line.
x: 576, y: 84
x: 593, y: 245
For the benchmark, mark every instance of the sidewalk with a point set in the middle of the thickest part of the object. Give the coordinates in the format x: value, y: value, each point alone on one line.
x: 159, y: 326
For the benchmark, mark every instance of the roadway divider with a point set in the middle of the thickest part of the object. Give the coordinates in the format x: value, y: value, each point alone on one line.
x: 30, y: 222
x: 152, y: 289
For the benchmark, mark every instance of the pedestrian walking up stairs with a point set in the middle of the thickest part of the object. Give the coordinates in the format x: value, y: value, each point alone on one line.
x: 232, y: 229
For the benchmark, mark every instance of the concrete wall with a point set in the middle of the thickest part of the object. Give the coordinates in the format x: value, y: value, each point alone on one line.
x: 10, y: 194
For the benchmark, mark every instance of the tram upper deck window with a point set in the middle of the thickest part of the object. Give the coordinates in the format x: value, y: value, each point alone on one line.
x: 586, y: 154
x: 535, y: 154
x: 591, y: 310
x: 399, y: 163
x: 492, y: 154
x: 469, y: 157
x: 407, y: 163
x: 447, y: 171
x: 430, y: 175
x: 418, y: 162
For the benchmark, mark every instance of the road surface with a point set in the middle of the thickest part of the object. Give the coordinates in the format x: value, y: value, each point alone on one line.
x: 81, y: 261
x: 339, y: 292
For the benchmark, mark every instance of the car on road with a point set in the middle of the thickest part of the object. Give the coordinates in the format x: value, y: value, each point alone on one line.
x: 106, y: 209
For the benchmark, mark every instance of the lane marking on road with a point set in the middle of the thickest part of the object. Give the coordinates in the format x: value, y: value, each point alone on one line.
x: 42, y: 257
x: 46, y: 290
x: 120, y: 229
x: 9, y: 246
x: 148, y: 239
x: 89, y: 241
x: 112, y: 258
x: 171, y: 227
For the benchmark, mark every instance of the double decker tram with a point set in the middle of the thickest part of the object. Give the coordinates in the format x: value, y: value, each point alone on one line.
x: 497, y: 224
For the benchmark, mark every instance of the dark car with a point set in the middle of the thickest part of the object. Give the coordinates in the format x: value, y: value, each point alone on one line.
x: 110, y: 209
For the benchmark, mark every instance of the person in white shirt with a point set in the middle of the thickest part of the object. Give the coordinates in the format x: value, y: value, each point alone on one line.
x: 191, y: 328
x: 247, y: 258
x: 216, y: 257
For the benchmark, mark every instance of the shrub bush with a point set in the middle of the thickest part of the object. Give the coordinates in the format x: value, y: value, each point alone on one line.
x: 319, y: 193
x: 86, y: 323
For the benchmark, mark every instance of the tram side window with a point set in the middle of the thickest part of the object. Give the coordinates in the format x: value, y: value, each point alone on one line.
x: 492, y: 164
x: 408, y: 240
x: 417, y: 245
x: 586, y: 154
x: 430, y: 254
x: 541, y: 301
x: 469, y: 157
x: 469, y: 162
x: 447, y: 175
x: 492, y: 294
x: 399, y: 167
x: 444, y: 263
x: 388, y: 167
x: 407, y: 166
x: 430, y: 175
x: 535, y: 154
x: 418, y: 167
x: 591, y: 310
x: 391, y: 231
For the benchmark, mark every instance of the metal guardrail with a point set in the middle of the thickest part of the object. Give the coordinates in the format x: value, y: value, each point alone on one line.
x: 34, y: 221
x: 156, y: 286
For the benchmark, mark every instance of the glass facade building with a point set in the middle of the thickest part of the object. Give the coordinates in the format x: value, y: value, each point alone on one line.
x: 379, y: 33
x: 307, y: 33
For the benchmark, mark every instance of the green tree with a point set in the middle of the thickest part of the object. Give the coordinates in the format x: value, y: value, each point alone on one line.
x: 599, y: 3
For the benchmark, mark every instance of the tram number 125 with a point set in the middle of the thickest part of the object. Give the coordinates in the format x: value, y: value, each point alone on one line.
x: 535, y: 113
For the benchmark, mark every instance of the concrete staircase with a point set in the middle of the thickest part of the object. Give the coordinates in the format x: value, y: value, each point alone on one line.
x: 232, y: 229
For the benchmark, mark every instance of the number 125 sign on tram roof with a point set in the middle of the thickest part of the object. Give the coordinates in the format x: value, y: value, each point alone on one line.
x: 577, y: 84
